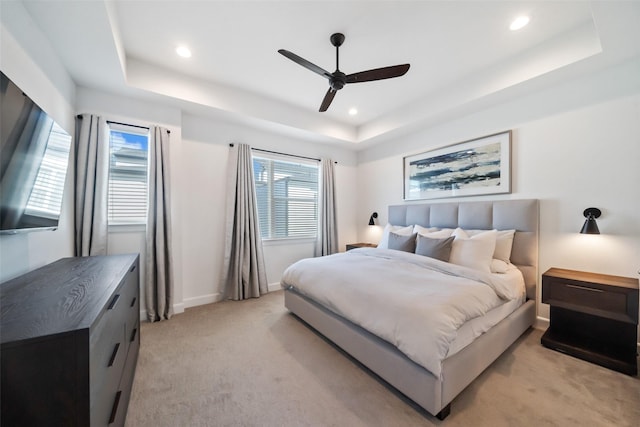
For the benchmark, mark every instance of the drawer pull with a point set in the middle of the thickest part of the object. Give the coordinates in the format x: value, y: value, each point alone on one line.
x: 113, y: 355
x: 133, y: 301
x: 114, y: 408
x: 132, y: 268
x: 584, y: 288
x: 133, y: 334
x: 114, y: 301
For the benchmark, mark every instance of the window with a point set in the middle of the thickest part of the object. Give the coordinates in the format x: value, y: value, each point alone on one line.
x: 128, y: 149
x: 287, y: 195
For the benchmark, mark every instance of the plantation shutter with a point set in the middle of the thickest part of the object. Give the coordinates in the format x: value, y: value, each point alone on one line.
x: 127, y: 202
x: 287, y: 196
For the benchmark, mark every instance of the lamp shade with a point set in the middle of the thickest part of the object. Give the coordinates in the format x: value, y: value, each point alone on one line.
x: 590, y: 225
x: 373, y: 215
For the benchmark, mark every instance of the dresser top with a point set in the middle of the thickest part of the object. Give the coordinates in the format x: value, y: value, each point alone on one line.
x: 66, y: 295
x: 582, y: 276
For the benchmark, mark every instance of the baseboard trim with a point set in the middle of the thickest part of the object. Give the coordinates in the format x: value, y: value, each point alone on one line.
x: 541, y: 323
x: 211, y: 298
x: 201, y: 300
x: 178, y: 308
x: 274, y: 287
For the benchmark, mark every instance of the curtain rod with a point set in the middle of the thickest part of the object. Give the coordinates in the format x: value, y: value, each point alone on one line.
x: 283, y: 154
x: 79, y: 116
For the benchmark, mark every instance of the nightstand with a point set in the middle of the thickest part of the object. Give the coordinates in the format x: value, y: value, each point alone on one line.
x: 593, y: 317
x: 360, y: 245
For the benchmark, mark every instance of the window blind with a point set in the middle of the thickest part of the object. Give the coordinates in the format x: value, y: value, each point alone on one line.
x: 287, y: 197
x: 128, y: 157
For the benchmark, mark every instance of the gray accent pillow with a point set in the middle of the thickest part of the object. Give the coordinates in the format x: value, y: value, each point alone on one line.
x: 434, y: 248
x: 402, y: 243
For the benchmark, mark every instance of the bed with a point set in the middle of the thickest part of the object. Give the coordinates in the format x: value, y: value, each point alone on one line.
x: 431, y: 385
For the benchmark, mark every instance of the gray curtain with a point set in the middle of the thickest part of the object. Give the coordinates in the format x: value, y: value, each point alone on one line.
x: 91, y: 184
x: 244, y: 274
x: 159, y: 282
x: 327, y: 242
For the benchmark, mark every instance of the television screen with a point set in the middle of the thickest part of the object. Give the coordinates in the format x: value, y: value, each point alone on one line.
x: 34, y: 153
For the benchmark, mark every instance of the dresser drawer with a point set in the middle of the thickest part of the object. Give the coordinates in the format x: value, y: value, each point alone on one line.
x: 132, y: 330
x: 107, y: 354
x: 130, y: 287
x: 132, y: 316
x: 121, y: 402
x: 108, y: 344
x: 102, y: 410
x: 107, y: 360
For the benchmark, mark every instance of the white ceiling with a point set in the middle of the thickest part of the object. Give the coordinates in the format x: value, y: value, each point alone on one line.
x: 461, y: 54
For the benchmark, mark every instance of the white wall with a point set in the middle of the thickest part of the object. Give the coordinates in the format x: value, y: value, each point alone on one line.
x: 199, y: 151
x: 131, y: 239
x: 574, y: 146
x: 34, y: 68
x: 205, y: 152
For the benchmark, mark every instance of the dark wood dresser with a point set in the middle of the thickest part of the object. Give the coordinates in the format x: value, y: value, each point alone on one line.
x: 593, y: 317
x: 70, y: 341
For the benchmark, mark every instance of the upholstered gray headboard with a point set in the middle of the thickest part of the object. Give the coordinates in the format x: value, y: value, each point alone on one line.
x: 521, y: 215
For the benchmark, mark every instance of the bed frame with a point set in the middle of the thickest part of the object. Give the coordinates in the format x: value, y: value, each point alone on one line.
x: 458, y: 371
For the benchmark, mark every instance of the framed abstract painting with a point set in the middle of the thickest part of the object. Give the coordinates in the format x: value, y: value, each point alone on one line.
x: 470, y: 168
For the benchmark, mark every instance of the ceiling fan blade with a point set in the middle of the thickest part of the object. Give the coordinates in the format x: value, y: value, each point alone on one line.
x: 378, y: 74
x: 327, y: 99
x: 306, y: 64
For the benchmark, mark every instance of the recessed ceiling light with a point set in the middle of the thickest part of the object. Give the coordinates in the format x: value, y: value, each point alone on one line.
x: 183, y: 51
x: 519, y: 23
x: 353, y: 111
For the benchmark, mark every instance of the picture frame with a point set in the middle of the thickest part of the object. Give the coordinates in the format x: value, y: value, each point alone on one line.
x: 470, y: 168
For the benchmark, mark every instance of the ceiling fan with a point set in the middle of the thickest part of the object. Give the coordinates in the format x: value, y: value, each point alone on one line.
x: 338, y: 79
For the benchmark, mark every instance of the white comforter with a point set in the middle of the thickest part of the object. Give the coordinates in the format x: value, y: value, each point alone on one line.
x: 414, y: 302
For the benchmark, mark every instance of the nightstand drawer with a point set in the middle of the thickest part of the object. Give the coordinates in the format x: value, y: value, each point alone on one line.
x: 588, y: 298
x: 593, y: 317
x: 606, y: 296
x: 360, y: 245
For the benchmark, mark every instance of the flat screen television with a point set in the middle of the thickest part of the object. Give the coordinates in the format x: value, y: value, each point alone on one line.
x: 34, y: 154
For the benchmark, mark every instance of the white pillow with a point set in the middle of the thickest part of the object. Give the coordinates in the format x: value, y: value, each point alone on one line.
x: 504, y: 243
x: 433, y: 232
x: 398, y: 229
x: 474, y: 252
x: 424, y: 230
x: 440, y: 234
x: 499, y: 266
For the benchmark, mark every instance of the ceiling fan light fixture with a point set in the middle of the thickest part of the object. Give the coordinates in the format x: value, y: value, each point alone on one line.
x: 183, y: 51
x: 353, y: 111
x: 519, y: 23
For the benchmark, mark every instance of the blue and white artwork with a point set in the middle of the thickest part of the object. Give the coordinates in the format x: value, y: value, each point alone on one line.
x: 474, y: 167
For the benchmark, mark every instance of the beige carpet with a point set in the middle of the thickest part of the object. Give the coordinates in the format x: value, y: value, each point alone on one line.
x: 252, y: 363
